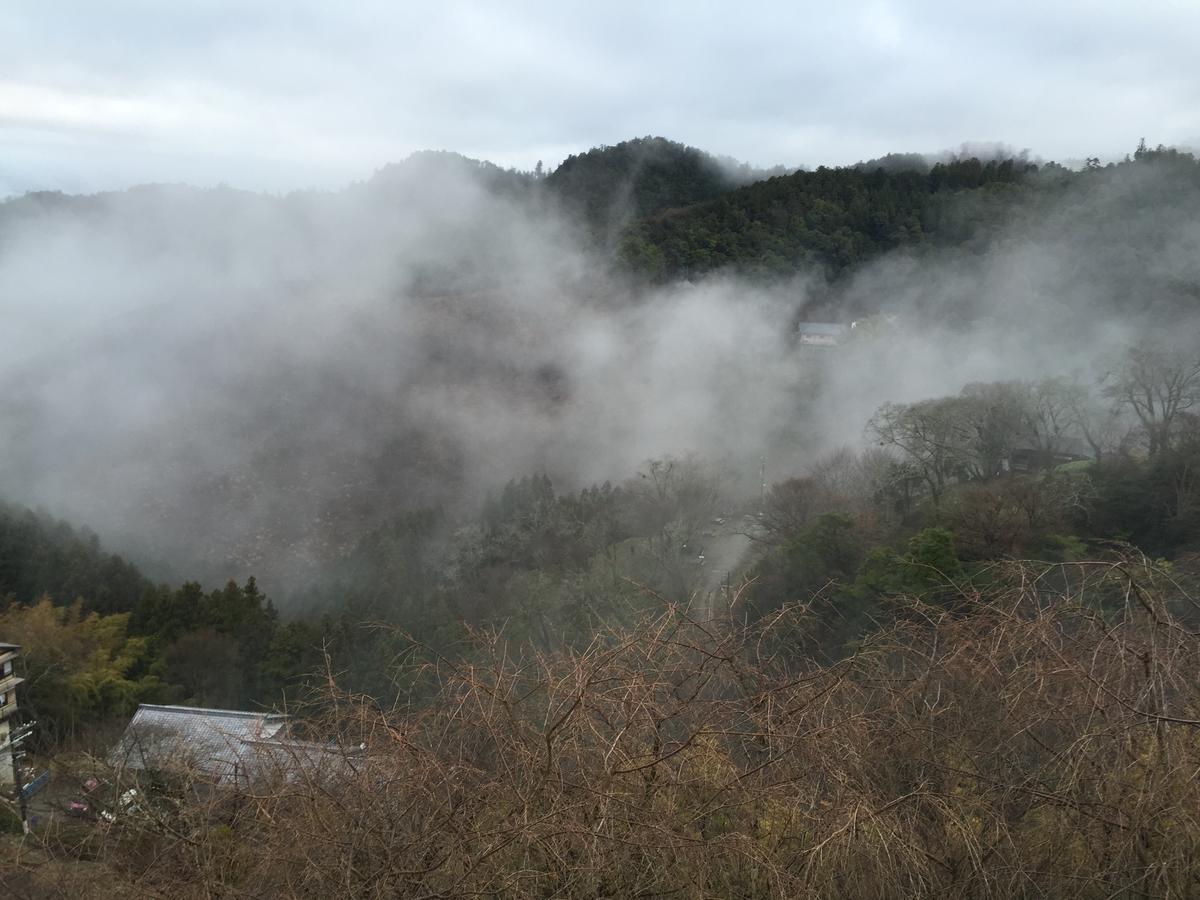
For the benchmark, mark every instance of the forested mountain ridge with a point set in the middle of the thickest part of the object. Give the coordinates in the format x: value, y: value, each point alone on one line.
x: 99, y: 637
x: 403, y: 312
x: 607, y: 187
x: 40, y: 555
x: 831, y: 219
x: 543, y: 522
x: 602, y: 188
x: 662, y: 210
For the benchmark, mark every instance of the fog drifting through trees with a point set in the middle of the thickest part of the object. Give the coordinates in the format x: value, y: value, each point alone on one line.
x: 227, y: 383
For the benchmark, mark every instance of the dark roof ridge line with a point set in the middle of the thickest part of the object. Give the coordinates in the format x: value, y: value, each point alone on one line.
x: 205, y: 711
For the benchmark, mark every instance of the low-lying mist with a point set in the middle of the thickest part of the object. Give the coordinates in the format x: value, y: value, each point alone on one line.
x: 222, y: 383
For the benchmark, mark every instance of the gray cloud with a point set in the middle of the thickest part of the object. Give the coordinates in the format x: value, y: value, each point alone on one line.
x: 268, y: 96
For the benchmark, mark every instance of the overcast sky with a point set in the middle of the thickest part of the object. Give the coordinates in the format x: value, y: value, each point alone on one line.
x: 282, y: 94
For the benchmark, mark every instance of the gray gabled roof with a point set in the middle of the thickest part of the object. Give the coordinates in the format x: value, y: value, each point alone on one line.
x: 288, y: 759
x: 831, y: 328
x: 1062, y: 445
x: 211, y: 742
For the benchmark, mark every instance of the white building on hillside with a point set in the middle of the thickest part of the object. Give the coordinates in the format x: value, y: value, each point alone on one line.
x: 8, y: 707
x: 821, y: 334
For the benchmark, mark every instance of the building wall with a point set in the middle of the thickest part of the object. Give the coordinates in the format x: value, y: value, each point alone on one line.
x: 8, y: 709
x: 821, y: 340
x: 6, y: 767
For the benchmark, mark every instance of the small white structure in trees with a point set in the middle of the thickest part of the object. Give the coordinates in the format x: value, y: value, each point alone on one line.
x: 821, y: 334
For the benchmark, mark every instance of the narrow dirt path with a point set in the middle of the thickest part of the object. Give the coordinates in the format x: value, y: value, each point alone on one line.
x: 725, y: 552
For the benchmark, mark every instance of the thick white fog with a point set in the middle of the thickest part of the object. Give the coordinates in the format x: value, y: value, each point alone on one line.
x: 231, y: 383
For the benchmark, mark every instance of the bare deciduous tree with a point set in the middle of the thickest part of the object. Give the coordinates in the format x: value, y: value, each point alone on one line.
x: 1159, y: 382
x: 930, y: 434
x: 1037, y: 741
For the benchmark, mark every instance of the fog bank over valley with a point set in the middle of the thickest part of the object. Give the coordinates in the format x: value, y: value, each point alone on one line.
x: 223, y: 383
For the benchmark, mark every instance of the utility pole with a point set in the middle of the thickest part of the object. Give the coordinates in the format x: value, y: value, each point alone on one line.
x: 762, y: 485
x: 12, y: 746
x: 16, y: 738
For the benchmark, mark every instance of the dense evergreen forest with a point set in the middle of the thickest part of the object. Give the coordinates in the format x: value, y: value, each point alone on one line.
x: 1050, y: 470
x: 667, y: 211
x: 600, y: 682
x: 547, y: 565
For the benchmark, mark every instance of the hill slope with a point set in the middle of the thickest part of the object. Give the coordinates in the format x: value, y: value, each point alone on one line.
x: 830, y: 218
x: 607, y: 186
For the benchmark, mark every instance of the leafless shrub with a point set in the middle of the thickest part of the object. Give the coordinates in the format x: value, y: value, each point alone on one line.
x: 792, y: 505
x: 1043, y: 742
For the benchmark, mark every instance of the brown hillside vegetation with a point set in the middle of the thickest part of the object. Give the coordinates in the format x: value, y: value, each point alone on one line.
x: 1037, y: 738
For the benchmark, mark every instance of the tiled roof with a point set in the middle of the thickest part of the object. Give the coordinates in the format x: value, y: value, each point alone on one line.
x: 226, y: 745
x: 291, y: 759
x: 830, y: 328
x: 212, y: 742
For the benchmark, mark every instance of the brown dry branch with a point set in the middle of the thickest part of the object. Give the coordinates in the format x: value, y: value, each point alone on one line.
x: 1040, y: 741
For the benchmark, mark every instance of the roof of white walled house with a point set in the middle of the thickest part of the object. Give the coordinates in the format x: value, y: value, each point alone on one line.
x: 830, y: 328
x: 1063, y: 445
x: 223, y: 745
x: 210, y: 742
